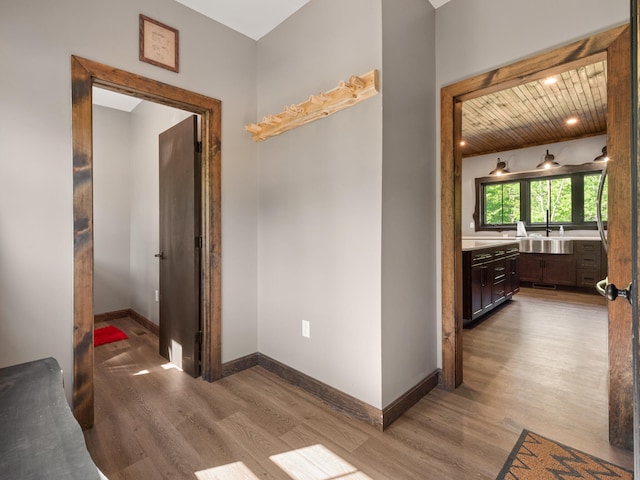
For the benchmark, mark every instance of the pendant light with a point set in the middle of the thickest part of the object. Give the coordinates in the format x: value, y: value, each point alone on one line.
x: 501, y: 168
x: 603, y: 157
x: 548, y: 162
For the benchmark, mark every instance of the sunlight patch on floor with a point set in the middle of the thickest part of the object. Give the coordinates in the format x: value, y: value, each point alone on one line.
x: 141, y: 372
x: 175, y: 354
x: 232, y: 471
x: 169, y: 366
x: 316, y: 462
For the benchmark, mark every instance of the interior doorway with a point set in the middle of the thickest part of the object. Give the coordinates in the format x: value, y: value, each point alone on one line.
x: 86, y: 74
x: 611, y: 43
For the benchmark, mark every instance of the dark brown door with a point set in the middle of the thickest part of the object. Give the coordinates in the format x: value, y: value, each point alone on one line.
x: 180, y: 242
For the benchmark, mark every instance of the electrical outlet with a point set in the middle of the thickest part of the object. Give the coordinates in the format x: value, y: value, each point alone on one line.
x: 472, y: 224
x: 157, y: 296
x: 306, y: 332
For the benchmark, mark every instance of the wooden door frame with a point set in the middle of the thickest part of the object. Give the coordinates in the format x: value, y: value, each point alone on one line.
x: 85, y: 74
x: 538, y: 66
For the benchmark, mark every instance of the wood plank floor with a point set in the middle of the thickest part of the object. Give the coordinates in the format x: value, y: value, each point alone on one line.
x: 539, y: 362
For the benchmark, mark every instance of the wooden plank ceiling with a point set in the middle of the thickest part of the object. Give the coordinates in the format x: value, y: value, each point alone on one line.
x: 536, y: 112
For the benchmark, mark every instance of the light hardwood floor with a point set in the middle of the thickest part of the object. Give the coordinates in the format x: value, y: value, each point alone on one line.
x: 539, y: 363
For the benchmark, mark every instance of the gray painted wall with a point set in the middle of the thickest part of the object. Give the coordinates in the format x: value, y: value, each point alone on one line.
x: 320, y: 198
x: 473, y: 37
x: 346, y: 238
x: 409, y: 322
x: 111, y: 209
x: 36, y: 227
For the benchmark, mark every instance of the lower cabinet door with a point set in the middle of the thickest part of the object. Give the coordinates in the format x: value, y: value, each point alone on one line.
x: 530, y: 267
x: 476, y: 290
x: 560, y: 270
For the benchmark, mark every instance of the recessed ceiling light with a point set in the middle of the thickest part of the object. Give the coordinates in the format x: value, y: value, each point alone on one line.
x: 572, y: 121
x: 462, y: 143
x: 550, y: 80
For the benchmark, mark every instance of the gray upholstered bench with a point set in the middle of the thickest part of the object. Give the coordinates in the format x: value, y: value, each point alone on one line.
x: 39, y: 437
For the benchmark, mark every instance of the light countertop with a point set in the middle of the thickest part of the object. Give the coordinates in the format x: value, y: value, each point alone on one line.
x: 475, y: 243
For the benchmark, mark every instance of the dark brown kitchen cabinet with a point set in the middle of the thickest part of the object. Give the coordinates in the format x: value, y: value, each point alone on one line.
x: 591, y: 263
x: 548, y: 269
x: 490, y: 278
x: 513, y: 271
x: 583, y: 268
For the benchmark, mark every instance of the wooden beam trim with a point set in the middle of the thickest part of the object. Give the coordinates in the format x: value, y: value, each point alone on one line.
x: 620, y: 343
x: 447, y: 206
x: 523, y: 70
x: 345, y: 95
x: 110, y: 78
x: 81, y: 108
x: 519, y: 79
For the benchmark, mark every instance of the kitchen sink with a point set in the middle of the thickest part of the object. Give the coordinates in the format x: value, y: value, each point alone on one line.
x: 546, y: 245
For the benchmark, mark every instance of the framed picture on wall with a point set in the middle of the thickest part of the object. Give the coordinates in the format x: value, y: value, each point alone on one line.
x: 158, y: 44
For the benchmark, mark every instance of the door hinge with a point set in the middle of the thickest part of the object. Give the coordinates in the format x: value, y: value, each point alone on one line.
x: 198, y: 147
x: 199, y: 241
x: 199, y: 337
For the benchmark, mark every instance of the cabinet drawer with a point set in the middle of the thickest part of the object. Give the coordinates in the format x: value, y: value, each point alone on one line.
x: 499, y: 270
x: 478, y: 258
x: 587, y: 277
x: 587, y: 246
x: 589, y: 260
x: 498, y: 291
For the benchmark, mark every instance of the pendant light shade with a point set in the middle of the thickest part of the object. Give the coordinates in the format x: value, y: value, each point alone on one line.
x: 602, y: 157
x: 501, y: 168
x: 548, y: 162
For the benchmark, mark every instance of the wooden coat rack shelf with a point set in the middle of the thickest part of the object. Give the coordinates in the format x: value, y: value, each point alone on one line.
x: 346, y: 94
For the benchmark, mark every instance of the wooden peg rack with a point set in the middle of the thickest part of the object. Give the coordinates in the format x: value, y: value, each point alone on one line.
x: 346, y: 94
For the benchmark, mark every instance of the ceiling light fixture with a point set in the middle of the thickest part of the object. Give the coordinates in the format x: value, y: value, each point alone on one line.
x: 501, y: 168
x: 602, y: 157
x: 572, y: 121
x: 462, y: 143
x: 548, y: 162
x: 550, y: 80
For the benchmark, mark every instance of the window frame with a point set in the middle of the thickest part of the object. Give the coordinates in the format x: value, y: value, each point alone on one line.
x: 575, y: 172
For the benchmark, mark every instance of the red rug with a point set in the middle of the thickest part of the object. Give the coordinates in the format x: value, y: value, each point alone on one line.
x: 107, y: 335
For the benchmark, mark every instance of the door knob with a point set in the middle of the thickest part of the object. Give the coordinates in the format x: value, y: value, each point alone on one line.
x: 612, y: 292
x: 160, y: 255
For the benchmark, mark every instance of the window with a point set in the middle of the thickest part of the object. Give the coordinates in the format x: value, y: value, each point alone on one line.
x: 591, y: 183
x: 568, y: 195
x: 552, y: 197
x: 502, y: 203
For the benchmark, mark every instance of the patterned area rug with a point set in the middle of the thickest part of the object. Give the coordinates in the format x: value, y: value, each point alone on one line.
x: 538, y: 458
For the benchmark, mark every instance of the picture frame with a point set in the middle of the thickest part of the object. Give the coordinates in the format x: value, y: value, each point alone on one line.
x: 159, y: 44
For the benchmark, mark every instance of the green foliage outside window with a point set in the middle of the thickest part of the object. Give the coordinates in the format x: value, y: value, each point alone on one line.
x: 554, y: 194
x: 502, y: 203
x: 571, y: 199
x: 591, y: 183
